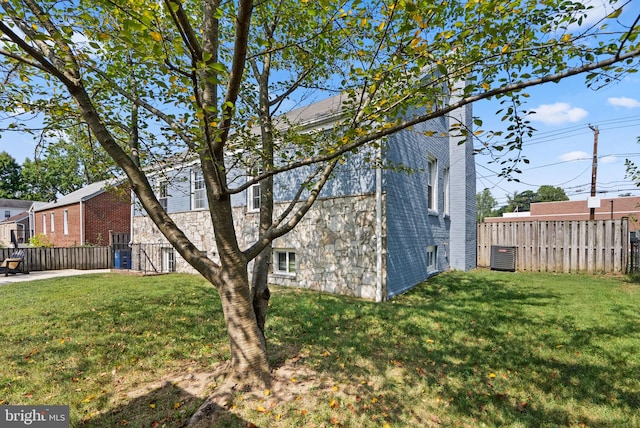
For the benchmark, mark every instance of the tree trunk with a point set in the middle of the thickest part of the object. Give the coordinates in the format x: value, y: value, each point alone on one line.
x: 260, y: 293
x: 249, y: 367
x: 249, y: 364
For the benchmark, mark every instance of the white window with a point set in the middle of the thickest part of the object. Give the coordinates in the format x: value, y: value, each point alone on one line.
x: 65, y: 222
x: 432, y: 258
x: 163, y: 194
x: 44, y: 224
x: 168, y: 260
x: 53, y: 223
x: 284, y: 262
x: 445, y: 191
x: 198, y: 191
x: 253, y: 195
x: 432, y: 185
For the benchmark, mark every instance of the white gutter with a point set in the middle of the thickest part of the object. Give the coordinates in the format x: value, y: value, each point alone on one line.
x: 379, y: 278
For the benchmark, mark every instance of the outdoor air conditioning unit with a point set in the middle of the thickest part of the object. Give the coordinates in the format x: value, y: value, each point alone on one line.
x: 503, y: 258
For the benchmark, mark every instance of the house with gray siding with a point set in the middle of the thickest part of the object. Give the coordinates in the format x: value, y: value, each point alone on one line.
x: 373, y: 233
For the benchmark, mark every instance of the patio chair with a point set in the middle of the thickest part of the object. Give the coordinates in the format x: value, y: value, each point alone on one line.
x: 13, y: 264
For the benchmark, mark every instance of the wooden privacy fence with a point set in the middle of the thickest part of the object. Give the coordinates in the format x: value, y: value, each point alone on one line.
x: 593, y: 246
x: 64, y: 258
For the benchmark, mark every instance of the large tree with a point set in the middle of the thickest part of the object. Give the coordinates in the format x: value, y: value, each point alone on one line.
x: 521, y: 201
x: 548, y: 193
x: 65, y: 163
x: 485, y: 205
x: 186, y: 75
x: 11, y: 186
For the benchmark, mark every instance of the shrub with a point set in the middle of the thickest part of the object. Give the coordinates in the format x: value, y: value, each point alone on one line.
x: 40, y: 240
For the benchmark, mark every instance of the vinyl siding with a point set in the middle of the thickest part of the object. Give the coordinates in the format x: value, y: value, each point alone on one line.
x: 411, y: 227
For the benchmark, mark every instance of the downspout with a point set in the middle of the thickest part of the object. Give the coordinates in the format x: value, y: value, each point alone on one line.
x: 379, y: 270
x: 32, y: 224
x: 24, y: 235
x: 81, y: 225
x: 131, y: 228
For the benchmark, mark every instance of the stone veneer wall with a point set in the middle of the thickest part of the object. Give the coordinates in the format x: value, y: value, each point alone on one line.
x: 335, y: 243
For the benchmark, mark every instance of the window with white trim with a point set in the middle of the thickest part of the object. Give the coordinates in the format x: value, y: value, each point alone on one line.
x: 53, y: 223
x: 198, y: 191
x: 432, y: 184
x: 65, y: 222
x: 253, y: 194
x: 168, y: 259
x: 284, y: 262
x: 432, y: 258
x: 163, y: 194
x: 44, y: 224
x: 446, y: 182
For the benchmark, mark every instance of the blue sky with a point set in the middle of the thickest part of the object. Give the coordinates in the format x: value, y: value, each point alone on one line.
x: 561, y: 150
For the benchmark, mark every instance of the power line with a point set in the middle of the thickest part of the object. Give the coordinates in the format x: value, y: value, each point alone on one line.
x: 542, y: 137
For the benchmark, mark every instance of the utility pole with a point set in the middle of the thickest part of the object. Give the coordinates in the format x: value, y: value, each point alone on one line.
x: 594, y: 168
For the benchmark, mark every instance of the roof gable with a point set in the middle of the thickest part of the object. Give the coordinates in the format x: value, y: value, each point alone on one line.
x: 87, y: 192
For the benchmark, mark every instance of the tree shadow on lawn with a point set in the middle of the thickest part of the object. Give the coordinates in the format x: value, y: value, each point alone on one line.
x: 167, y: 405
x: 474, y: 342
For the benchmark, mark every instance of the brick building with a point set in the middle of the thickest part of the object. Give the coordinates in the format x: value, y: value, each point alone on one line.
x: 86, y: 216
x: 608, y: 209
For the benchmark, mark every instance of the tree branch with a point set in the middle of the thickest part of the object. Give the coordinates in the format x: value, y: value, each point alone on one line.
x: 381, y: 133
x: 275, y: 232
x: 243, y: 22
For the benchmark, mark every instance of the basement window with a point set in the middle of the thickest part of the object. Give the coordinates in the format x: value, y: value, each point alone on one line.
x: 432, y: 258
x: 284, y: 262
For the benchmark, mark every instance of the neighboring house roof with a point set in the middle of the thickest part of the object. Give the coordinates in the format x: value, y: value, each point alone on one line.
x: 15, y: 203
x: 87, y: 192
x: 574, y: 210
x: 16, y: 218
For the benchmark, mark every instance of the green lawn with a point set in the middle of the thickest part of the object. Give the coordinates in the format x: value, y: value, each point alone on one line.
x: 464, y: 349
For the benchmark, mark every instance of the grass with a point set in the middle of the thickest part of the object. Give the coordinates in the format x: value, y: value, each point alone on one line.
x: 464, y: 349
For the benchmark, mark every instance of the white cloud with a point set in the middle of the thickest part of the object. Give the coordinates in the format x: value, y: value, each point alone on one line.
x: 623, y: 102
x: 608, y: 159
x: 558, y: 113
x: 597, y: 10
x: 575, y: 156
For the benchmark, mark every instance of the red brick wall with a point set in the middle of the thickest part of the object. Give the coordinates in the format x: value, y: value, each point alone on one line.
x: 57, y: 236
x: 578, y: 210
x: 108, y: 211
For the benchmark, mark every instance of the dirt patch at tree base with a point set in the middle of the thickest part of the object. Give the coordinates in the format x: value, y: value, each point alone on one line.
x: 289, y: 382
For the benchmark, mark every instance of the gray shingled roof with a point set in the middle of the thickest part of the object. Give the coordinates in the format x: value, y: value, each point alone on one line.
x: 80, y: 195
x: 328, y: 108
x: 15, y: 203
